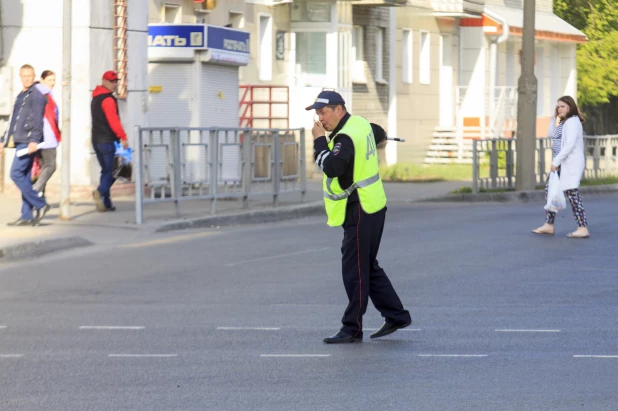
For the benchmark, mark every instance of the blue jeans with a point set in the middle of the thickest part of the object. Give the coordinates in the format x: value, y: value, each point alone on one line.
x: 105, y: 155
x: 20, y: 174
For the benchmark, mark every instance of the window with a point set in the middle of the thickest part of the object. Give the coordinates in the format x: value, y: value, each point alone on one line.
x: 236, y: 20
x: 425, y: 59
x: 358, y: 55
x: 379, y: 75
x: 201, y: 16
x: 311, y: 11
x: 171, y: 13
x: 266, y: 48
x: 406, y: 56
x: 311, y: 52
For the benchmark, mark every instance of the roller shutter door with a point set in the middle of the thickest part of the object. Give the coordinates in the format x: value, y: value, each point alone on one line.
x: 171, y: 106
x: 219, y: 108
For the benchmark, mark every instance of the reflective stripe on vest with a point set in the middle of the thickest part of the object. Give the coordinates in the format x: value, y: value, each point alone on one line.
x: 366, y: 178
x: 346, y: 193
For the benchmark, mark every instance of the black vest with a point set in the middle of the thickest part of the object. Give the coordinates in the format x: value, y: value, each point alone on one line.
x: 101, y: 131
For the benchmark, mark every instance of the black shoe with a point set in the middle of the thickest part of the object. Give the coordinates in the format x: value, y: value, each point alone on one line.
x: 20, y: 223
x: 388, y: 328
x: 341, y: 338
x: 112, y: 208
x: 40, y: 213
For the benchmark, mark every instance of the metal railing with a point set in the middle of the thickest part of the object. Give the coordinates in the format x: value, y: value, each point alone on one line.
x: 256, y: 104
x: 493, y: 161
x: 184, y: 163
x: 601, y: 156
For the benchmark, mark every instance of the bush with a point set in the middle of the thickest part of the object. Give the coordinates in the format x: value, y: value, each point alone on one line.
x: 501, y: 160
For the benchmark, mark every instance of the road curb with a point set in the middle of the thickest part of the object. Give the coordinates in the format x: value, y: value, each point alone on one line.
x: 250, y: 217
x: 32, y: 249
x: 512, y: 196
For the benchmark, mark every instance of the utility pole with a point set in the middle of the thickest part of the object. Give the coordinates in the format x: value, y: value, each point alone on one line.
x: 526, y: 106
x: 65, y: 182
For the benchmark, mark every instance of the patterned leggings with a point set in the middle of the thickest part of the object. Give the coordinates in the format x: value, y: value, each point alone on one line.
x: 576, y: 204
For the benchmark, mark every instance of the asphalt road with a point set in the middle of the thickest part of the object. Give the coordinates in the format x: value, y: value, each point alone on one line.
x: 233, y: 319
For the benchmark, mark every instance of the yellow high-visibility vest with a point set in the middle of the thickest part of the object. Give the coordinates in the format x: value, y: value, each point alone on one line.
x: 366, y: 178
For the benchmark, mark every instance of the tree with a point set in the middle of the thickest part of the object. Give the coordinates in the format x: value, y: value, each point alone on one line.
x: 597, y: 60
x: 575, y: 12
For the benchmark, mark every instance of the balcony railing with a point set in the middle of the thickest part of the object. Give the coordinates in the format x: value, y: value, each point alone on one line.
x: 458, y: 6
x: 385, y: 3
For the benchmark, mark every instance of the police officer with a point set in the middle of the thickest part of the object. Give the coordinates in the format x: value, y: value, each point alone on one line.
x: 354, y: 198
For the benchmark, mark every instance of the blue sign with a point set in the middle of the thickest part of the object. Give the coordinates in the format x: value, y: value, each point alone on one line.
x: 176, y: 35
x: 179, y: 41
x: 222, y: 38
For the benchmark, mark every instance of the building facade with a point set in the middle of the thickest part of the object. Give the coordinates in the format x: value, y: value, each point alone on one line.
x: 435, y: 72
x: 104, y: 37
x: 485, y: 40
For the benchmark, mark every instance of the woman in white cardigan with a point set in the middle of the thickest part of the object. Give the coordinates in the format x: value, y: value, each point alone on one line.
x: 569, y: 160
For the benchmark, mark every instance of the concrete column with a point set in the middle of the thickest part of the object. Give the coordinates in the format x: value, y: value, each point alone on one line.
x: 526, y: 106
x: 65, y: 191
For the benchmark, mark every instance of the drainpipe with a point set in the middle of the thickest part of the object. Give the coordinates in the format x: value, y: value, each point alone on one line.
x: 1, y: 38
x: 2, y: 65
x: 493, y: 61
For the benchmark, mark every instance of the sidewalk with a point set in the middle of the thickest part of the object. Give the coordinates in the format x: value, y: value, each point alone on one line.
x: 91, y: 227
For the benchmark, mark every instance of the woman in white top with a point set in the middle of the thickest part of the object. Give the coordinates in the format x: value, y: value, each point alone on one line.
x: 569, y: 160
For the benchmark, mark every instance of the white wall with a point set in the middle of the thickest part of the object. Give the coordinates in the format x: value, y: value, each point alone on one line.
x: 474, y: 70
x: 35, y: 37
x: 569, y: 69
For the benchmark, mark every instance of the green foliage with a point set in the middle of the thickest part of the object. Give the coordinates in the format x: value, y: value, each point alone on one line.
x: 402, y: 172
x: 462, y: 190
x: 597, y: 61
x: 600, y: 181
x: 585, y: 182
x: 501, y: 160
x: 597, y: 65
x: 575, y: 12
x: 468, y: 190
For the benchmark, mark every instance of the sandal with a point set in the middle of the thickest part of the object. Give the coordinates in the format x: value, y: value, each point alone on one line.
x: 537, y: 231
x: 573, y: 235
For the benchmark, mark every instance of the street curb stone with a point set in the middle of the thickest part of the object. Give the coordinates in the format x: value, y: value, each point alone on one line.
x: 32, y: 249
x: 252, y: 217
x: 514, y: 196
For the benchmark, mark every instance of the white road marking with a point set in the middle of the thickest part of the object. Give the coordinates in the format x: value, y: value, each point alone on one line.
x: 144, y: 355
x: 2, y: 327
x: 401, y: 329
x: 595, y: 356
x: 526, y: 331
x: 452, y: 355
x: 11, y: 355
x: 110, y: 327
x: 170, y: 240
x: 277, y: 256
x: 248, y: 328
x: 296, y: 355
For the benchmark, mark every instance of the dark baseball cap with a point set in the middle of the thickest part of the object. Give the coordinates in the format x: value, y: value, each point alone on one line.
x: 326, y: 98
x: 110, y: 76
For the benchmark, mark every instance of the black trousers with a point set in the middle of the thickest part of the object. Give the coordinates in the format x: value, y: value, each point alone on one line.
x: 363, y: 277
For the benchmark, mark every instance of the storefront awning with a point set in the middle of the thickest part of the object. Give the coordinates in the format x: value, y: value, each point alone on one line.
x: 548, y: 26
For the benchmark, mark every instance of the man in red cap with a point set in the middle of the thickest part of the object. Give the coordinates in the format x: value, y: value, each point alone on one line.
x: 106, y: 130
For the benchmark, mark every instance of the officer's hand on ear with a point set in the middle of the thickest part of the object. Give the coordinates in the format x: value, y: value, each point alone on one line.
x: 318, y: 130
